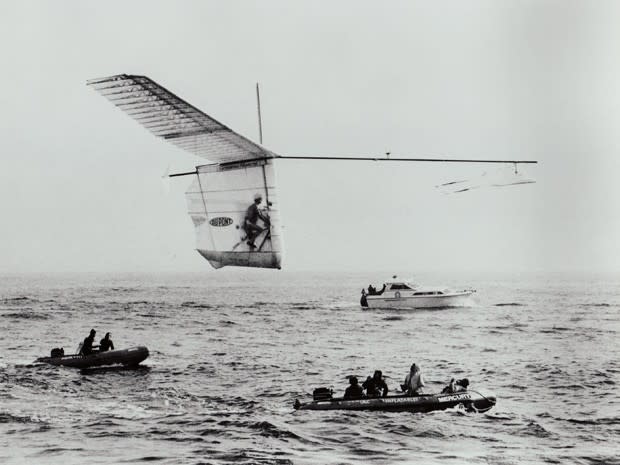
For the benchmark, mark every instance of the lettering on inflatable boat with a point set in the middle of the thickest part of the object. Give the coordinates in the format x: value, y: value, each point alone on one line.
x: 402, y: 400
x: 454, y: 397
x: 352, y: 402
x: 380, y: 400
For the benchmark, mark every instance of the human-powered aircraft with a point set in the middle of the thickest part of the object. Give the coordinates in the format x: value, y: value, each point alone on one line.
x: 233, y: 200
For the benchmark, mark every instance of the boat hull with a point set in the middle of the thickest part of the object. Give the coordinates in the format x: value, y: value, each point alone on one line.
x: 472, y: 400
x: 403, y: 301
x: 128, y: 357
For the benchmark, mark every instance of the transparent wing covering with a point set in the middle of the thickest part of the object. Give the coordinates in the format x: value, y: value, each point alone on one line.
x: 173, y: 119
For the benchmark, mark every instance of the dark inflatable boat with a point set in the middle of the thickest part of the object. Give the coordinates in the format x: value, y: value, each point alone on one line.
x: 128, y: 357
x: 475, y: 401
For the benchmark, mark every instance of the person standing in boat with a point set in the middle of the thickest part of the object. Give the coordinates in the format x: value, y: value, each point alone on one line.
x: 354, y: 391
x: 376, y: 386
x: 414, y: 382
x: 87, y: 346
x: 106, y: 343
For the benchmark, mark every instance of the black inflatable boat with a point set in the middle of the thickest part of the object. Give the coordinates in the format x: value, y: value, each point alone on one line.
x: 475, y: 401
x: 128, y: 357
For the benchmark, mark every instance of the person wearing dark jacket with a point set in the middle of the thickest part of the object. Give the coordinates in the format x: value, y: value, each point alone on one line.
x: 375, y: 386
x: 354, y: 391
x: 87, y: 346
x: 106, y: 343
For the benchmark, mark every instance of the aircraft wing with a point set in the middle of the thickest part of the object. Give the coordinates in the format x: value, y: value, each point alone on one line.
x: 173, y: 119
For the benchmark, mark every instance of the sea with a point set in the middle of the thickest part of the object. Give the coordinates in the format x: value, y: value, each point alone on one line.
x: 231, y: 350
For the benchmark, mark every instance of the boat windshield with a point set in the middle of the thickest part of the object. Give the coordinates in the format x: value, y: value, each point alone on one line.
x: 399, y: 286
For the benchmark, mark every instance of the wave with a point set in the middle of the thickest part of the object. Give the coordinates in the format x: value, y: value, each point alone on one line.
x: 250, y: 456
x: 603, y: 304
x: 58, y: 450
x: 536, y: 429
x: 150, y: 458
x: 13, y: 300
x: 594, y: 421
x: 124, y: 289
x: 304, y: 307
x: 192, y: 304
x: 270, y: 430
x: 556, y: 329
x: 509, y: 304
x: 28, y: 315
x: 6, y: 417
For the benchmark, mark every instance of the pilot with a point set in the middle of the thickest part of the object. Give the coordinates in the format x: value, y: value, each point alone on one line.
x: 252, y: 215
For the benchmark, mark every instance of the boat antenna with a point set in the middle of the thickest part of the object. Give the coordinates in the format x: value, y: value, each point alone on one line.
x: 260, y: 122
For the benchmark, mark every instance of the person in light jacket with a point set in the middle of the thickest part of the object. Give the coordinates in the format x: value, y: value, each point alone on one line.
x: 414, y: 381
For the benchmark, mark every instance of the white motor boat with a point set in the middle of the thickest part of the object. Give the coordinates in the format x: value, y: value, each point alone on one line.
x: 398, y: 294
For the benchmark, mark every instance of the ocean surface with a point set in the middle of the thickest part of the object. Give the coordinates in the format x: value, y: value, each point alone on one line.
x: 230, y: 351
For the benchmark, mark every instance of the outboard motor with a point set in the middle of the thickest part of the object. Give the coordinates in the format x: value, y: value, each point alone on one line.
x: 322, y: 394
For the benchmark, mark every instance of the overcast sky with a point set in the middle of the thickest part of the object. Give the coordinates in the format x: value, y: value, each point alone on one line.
x: 81, y: 183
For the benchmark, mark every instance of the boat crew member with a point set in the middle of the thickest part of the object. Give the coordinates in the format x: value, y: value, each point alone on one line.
x: 252, y: 215
x: 106, y: 343
x: 354, y: 391
x: 375, y: 386
x: 87, y: 346
x: 461, y: 385
x: 414, y: 382
x: 450, y: 388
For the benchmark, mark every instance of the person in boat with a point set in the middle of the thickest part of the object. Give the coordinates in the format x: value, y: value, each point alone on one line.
x: 414, y: 381
x: 252, y: 215
x: 354, y: 391
x: 461, y: 385
x: 87, y: 346
x: 456, y: 386
x: 450, y: 388
x: 57, y: 352
x: 106, y: 343
x: 376, y: 386
x: 373, y: 290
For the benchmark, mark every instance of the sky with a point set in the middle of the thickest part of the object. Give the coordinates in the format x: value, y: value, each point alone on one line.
x: 81, y: 183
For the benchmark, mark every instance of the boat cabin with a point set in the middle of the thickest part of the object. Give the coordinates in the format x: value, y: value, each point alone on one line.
x: 404, y: 286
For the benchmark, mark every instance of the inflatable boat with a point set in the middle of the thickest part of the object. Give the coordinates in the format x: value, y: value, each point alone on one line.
x: 475, y: 401
x: 128, y: 357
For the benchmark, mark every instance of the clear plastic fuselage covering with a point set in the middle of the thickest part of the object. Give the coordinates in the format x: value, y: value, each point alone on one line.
x: 234, y: 207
